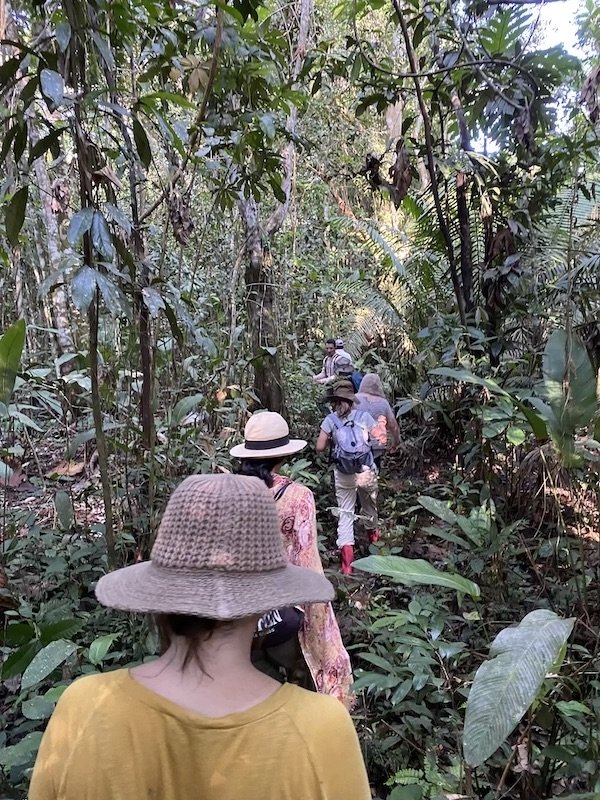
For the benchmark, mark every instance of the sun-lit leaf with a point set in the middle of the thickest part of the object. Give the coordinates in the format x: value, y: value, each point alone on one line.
x: 507, y: 684
x: 46, y: 661
x: 99, y: 647
x: 412, y: 571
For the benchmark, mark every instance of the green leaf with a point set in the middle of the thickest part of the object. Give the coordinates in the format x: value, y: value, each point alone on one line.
x: 507, y: 684
x: 411, y: 571
x: 15, y: 215
x: 11, y: 348
x: 8, y: 70
x: 515, y: 436
x: 80, y: 223
x: 153, y: 301
x: 103, y: 48
x: 569, y: 384
x: 62, y: 34
x: 64, y: 509
x: 59, y: 630
x: 116, y: 215
x: 18, y: 661
x: 7, y: 140
x: 101, y: 236
x: 45, y: 144
x: 100, y: 647
x: 183, y: 407
x: 83, y: 287
x: 115, y: 300
x: 438, y: 508
x: 53, y: 87
x: 46, y: 661
x: 267, y: 125
x: 22, y: 752
x: 141, y: 143
x: 37, y: 708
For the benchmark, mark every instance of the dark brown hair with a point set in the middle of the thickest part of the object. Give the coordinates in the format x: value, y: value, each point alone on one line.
x: 341, y: 407
x: 195, y: 631
x: 260, y: 468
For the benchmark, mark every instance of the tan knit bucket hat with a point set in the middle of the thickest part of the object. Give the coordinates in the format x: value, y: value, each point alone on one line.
x: 218, y: 554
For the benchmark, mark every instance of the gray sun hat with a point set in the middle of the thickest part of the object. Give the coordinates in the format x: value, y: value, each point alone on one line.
x: 218, y: 554
x: 267, y: 435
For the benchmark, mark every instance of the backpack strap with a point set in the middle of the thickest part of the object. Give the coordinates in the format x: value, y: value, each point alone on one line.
x: 279, y: 493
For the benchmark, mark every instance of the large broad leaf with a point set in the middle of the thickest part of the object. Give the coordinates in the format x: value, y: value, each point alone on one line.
x: 411, y: 571
x: 11, y: 348
x: 46, y: 661
x: 438, y: 508
x: 83, y: 287
x: 184, y: 406
x: 569, y: 382
x: 507, y: 684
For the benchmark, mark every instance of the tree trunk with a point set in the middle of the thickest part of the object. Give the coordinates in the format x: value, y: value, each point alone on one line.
x: 260, y: 301
x: 260, y: 308
x: 58, y: 301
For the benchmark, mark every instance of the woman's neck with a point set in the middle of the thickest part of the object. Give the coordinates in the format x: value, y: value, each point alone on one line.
x: 221, y: 680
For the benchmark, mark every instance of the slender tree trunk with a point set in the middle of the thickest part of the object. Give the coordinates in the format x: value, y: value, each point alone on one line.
x: 260, y: 309
x: 58, y: 301
x: 260, y: 287
x: 464, y: 224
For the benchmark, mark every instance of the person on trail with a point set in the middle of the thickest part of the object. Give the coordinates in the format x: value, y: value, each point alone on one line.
x: 337, y: 362
x: 371, y: 398
x: 201, y: 721
x: 347, y: 431
x: 266, y: 445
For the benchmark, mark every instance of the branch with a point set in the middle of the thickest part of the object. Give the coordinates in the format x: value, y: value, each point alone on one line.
x: 197, y: 121
x: 443, y: 223
x: 483, y: 75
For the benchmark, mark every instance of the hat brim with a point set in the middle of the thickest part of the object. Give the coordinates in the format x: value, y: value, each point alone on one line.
x: 293, y: 446
x: 329, y: 397
x: 215, y: 594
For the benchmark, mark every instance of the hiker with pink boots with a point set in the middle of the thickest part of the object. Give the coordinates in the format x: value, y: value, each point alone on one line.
x: 347, y: 430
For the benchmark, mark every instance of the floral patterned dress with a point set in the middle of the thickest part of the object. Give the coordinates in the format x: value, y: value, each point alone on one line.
x: 320, y: 638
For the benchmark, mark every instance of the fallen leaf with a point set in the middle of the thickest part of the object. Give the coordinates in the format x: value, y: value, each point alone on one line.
x: 66, y: 469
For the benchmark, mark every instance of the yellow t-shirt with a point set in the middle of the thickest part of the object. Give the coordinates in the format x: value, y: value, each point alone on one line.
x: 110, y: 738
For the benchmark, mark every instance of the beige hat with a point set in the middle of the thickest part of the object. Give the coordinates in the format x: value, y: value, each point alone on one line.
x: 267, y: 435
x: 218, y: 554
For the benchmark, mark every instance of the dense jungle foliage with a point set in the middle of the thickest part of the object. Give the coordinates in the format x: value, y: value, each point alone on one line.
x: 194, y: 197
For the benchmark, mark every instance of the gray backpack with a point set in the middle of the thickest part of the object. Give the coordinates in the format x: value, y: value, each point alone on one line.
x: 351, y: 448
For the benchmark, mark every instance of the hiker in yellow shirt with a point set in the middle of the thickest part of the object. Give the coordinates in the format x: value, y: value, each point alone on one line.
x: 201, y: 721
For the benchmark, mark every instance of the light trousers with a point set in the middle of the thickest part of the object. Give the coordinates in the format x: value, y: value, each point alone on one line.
x: 347, y: 488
